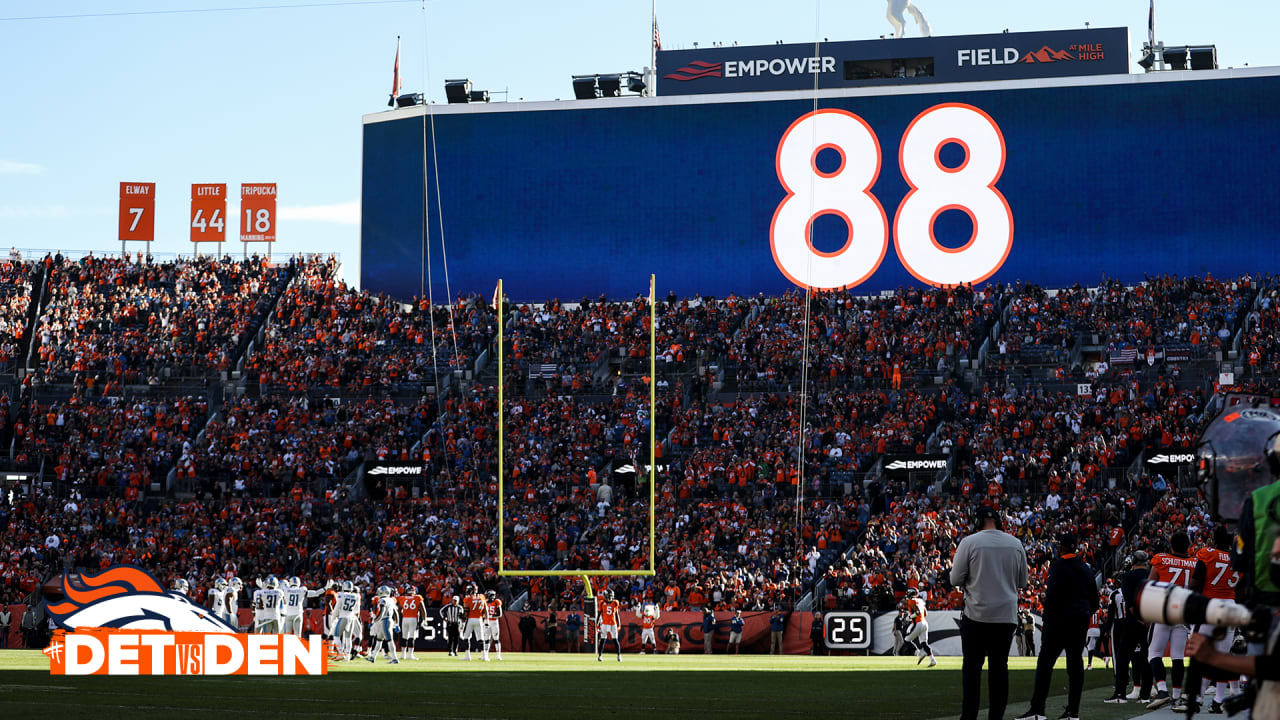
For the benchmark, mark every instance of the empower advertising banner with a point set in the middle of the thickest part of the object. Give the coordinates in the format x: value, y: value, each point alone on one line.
x: 1047, y: 182
x: 900, y: 61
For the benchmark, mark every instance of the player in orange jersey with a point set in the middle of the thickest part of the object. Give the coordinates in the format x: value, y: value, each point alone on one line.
x: 494, y: 606
x: 411, y: 615
x: 649, y: 614
x: 919, y: 633
x: 610, y: 614
x: 477, y: 613
x: 1215, y: 578
x: 1173, y: 567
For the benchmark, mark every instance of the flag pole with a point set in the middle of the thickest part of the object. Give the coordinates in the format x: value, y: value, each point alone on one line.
x: 653, y: 404
x: 395, y: 77
x: 650, y: 88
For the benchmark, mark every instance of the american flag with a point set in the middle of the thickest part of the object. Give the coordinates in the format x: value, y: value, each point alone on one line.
x: 657, y: 38
x: 1151, y: 24
x: 395, y: 77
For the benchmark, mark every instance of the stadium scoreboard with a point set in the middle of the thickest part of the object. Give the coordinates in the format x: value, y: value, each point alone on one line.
x: 1052, y: 181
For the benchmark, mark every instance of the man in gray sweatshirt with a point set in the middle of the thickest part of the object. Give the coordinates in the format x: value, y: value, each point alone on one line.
x: 989, y: 566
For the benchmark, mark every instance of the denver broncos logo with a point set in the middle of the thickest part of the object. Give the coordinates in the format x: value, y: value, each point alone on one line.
x: 129, y: 597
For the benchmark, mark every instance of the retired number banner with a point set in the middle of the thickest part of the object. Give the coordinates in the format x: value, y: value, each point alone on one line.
x: 258, y: 212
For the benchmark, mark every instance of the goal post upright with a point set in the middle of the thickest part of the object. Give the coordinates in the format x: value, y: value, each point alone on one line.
x: 653, y: 418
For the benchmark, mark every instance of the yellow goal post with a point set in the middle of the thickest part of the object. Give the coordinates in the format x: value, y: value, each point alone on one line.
x: 585, y: 574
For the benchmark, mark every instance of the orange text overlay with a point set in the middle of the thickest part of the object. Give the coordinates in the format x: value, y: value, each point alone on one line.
x: 105, y: 651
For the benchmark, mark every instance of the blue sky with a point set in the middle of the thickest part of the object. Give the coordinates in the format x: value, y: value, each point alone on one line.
x: 276, y: 95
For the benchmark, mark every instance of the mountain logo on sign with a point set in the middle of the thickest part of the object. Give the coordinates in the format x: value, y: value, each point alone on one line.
x: 128, y: 597
x: 695, y: 70
x: 1046, y: 54
x: 916, y: 465
x: 1179, y: 458
x: 385, y: 470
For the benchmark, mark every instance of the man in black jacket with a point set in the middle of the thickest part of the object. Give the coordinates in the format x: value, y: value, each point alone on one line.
x: 1070, y: 597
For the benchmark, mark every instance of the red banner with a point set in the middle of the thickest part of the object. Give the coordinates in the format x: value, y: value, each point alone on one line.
x: 209, y: 212
x: 688, y: 625
x: 258, y: 212
x: 137, y: 211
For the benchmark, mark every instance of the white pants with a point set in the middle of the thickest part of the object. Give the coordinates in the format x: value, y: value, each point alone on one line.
x: 1173, y: 637
x: 646, y: 636
x: 409, y: 628
x: 608, y: 632
x: 474, y: 629
x: 919, y: 630
x: 292, y: 625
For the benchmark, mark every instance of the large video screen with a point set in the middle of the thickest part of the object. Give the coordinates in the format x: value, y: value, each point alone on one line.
x: 1050, y: 185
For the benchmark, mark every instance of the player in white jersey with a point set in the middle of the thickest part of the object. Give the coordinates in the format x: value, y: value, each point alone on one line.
x: 294, y: 600
x: 267, y: 601
x: 234, y: 587
x: 346, y: 612
x: 181, y: 586
x: 385, y: 623
x: 218, y: 599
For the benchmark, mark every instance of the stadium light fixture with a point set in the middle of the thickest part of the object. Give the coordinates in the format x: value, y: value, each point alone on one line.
x: 1176, y: 57
x: 610, y: 85
x: 480, y: 96
x: 1204, y: 57
x: 584, y: 87
x: 457, y: 91
x: 635, y: 83
x: 410, y: 99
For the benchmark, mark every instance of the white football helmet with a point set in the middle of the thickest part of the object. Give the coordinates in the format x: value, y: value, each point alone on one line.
x: 220, y: 584
x: 181, y: 585
x: 237, y: 583
x: 273, y: 582
x: 295, y: 581
x: 348, y: 586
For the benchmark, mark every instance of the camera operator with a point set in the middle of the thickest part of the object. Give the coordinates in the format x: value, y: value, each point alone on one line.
x: 1130, y: 644
x: 1256, y: 532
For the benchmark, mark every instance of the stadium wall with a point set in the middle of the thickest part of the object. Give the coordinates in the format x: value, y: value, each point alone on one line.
x: 1117, y: 176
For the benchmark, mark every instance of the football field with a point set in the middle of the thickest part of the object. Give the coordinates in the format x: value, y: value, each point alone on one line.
x: 542, y: 686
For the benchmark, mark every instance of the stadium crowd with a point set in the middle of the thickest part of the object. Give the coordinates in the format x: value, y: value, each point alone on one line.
x: 739, y: 525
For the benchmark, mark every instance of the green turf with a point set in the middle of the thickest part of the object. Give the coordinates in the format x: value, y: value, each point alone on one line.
x: 541, y: 686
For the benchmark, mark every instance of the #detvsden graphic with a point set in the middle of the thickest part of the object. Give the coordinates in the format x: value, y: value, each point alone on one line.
x: 122, y: 621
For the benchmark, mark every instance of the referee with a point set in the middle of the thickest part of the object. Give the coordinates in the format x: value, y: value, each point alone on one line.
x: 990, y: 565
x: 451, y: 614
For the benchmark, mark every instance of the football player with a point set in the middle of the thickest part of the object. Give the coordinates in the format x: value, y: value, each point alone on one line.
x: 218, y: 599
x: 294, y: 604
x: 268, y: 600
x: 181, y: 586
x: 649, y: 614
x: 477, y: 612
x: 1175, y: 568
x: 1214, y: 577
x: 346, y: 617
x: 382, y: 631
x: 919, y: 633
x: 610, y: 612
x: 235, y: 586
x: 411, y: 610
x: 494, y: 606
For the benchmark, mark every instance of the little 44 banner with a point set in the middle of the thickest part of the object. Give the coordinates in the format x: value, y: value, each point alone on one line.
x: 209, y: 212
x: 258, y: 212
